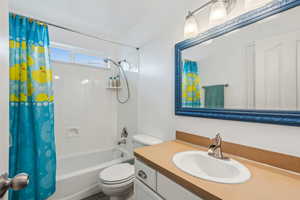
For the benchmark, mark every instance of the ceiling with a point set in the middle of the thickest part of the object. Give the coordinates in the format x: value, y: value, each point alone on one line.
x: 110, y: 19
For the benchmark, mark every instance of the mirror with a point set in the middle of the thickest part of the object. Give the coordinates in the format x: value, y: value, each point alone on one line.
x: 245, y: 71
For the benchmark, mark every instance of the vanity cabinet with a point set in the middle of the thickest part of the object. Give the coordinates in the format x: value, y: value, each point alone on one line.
x: 142, y: 192
x: 152, y: 185
x: 171, y: 190
x: 145, y: 174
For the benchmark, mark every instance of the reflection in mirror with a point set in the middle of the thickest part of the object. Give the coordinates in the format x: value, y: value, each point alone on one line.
x: 256, y: 67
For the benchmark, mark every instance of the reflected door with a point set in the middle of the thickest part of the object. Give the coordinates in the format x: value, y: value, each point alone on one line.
x: 276, y: 72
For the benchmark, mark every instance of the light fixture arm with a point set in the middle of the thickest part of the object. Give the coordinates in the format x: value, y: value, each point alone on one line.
x: 219, y: 10
x: 200, y: 8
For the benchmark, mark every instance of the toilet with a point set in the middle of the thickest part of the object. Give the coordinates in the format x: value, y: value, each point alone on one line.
x: 117, y: 181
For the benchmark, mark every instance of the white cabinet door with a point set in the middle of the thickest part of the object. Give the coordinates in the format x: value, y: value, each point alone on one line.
x: 145, y: 174
x: 142, y: 192
x: 172, y: 191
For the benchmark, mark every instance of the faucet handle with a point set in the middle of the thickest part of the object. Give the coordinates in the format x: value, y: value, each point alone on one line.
x: 217, y: 140
x: 124, y: 133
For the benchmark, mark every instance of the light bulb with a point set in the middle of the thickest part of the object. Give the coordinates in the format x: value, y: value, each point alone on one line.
x: 190, y: 27
x: 218, y: 10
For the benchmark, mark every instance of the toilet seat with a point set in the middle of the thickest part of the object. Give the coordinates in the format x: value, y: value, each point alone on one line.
x: 117, y: 174
x: 128, y: 180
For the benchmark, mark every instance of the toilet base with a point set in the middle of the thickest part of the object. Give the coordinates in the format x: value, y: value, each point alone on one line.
x: 117, y: 198
x: 126, y: 196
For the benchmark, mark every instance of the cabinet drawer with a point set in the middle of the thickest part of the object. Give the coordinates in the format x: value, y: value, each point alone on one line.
x: 146, y: 174
x: 170, y: 190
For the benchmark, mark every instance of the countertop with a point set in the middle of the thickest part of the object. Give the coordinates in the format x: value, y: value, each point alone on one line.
x: 266, y: 182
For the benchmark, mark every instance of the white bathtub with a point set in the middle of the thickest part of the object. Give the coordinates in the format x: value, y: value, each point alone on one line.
x: 77, y: 175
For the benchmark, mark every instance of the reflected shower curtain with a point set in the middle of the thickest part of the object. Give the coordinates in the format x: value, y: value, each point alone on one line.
x: 32, y: 143
x: 190, y: 85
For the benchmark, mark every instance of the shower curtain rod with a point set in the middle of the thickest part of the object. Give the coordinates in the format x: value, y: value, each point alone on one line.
x: 79, y: 32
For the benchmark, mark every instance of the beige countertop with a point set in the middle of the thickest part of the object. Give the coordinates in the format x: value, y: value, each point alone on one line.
x: 266, y: 182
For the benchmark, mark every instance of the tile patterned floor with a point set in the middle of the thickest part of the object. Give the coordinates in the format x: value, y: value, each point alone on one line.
x: 99, y: 196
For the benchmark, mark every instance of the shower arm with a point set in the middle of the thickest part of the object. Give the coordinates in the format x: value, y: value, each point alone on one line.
x: 111, y: 60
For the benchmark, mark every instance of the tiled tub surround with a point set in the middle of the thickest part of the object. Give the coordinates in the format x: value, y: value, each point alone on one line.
x: 267, y: 182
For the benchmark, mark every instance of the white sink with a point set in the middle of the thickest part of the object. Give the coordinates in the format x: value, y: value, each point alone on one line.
x: 201, y: 165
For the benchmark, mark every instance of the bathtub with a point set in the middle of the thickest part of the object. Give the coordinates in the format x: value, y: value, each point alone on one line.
x: 77, y: 175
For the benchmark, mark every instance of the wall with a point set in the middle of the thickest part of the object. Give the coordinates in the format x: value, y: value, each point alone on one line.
x: 83, y: 102
x: 127, y: 113
x: 156, y: 102
x: 4, y: 84
x: 103, y: 48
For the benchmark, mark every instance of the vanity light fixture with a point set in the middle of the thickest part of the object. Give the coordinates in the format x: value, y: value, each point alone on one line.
x: 191, y: 26
x: 218, y: 11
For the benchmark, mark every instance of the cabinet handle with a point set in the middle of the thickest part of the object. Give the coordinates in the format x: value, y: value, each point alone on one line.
x: 142, y: 174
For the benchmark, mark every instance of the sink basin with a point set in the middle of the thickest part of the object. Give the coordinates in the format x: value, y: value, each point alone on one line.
x: 201, y: 165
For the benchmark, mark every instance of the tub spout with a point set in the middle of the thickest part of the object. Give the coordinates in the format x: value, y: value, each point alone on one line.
x: 123, y: 141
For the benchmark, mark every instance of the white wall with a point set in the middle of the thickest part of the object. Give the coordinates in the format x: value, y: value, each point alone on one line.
x: 83, y: 102
x: 127, y: 113
x: 156, y: 103
x: 4, y: 84
x: 103, y: 48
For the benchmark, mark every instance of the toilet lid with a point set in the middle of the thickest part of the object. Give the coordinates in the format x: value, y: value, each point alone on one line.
x: 117, y: 173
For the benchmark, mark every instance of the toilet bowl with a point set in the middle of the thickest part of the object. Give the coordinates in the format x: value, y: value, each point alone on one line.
x: 117, y: 181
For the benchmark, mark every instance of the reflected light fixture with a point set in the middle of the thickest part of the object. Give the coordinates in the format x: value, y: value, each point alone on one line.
x: 218, y: 11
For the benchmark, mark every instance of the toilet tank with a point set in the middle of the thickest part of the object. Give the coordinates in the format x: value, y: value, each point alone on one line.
x: 142, y: 140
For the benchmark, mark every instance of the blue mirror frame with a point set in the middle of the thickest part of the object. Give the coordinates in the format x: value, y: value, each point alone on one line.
x: 291, y: 118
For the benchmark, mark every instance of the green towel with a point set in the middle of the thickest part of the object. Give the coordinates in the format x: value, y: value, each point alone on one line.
x: 214, y: 96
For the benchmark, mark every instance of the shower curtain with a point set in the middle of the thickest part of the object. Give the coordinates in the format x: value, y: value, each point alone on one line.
x: 190, y: 85
x: 32, y: 143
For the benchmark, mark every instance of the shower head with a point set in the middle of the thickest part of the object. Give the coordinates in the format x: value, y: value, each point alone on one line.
x: 114, y: 62
x: 111, y: 60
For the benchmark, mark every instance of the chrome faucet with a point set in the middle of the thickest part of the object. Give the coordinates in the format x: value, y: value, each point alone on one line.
x: 215, y: 149
x: 124, y: 135
x: 122, y: 141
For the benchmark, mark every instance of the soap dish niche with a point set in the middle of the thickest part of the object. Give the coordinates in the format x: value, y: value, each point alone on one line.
x: 72, y: 132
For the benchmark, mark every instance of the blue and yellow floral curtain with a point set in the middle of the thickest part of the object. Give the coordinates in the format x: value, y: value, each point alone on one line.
x: 32, y: 143
x: 190, y: 85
